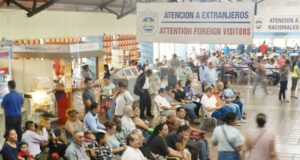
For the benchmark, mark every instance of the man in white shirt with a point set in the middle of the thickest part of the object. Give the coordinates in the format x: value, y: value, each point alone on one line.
x: 132, y: 152
x: 214, y: 59
x: 163, y: 104
x: 33, y: 139
x: 126, y: 119
x: 210, y: 103
x: 91, y: 121
x: 210, y: 74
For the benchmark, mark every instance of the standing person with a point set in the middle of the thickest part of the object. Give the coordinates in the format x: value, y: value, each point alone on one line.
x: 228, y: 139
x: 86, y: 72
x: 75, y: 150
x: 106, y: 71
x: 88, y: 95
x: 10, y: 148
x: 33, y: 139
x: 211, y: 74
x: 183, y: 71
x: 263, y: 48
x: 295, y: 78
x: 141, y: 88
x: 226, y: 51
x: 12, y: 103
x: 202, y: 70
x: 123, y: 99
x: 284, y: 72
x: 107, y: 92
x: 260, y: 76
x: 173, y: 65
x: 259, y: 142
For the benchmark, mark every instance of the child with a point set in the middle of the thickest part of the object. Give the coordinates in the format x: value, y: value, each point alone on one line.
x: 23, y: 153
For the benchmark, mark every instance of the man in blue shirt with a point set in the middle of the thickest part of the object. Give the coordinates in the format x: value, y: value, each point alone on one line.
x: 12, y: 103
x: 91, y: 120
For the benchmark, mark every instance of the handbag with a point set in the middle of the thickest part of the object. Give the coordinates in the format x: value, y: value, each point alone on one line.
x: 231, y: 145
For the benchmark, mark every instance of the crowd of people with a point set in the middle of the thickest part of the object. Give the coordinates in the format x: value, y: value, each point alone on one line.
x: 185, y: 116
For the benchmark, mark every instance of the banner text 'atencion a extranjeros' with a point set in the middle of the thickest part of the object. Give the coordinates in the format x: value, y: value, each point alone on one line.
x: 225, y: 23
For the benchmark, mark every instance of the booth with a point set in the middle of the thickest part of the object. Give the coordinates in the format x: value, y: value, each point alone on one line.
x: 59, y: 84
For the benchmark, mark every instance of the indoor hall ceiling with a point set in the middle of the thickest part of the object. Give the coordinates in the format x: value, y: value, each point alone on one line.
x: 120, y: 8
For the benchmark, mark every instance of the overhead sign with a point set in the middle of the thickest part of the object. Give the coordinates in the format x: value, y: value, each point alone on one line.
x: 277, y: 24
x: 208, y: 23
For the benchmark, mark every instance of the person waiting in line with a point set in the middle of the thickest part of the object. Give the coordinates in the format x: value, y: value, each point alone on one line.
x: 141, y: 88
x: 197, y: 140
x: 165, y: 108
x: 33, y: 139
x: 284, y: 72
x: 91, y: 120
x: 139, y: 123
x: 183, y: 71
x: 144, y: 145
x: 73, y: 123
x: 107, y: 93
x: 259, y: 142
x: 271, y: 72
x: 57, y: 144
x: 12, y: 103
x: 178, y: 140
x: 117, y: 146
x: 76, y: 150
x: 88, y: 94
x: 23, y: 153
x: 158, y: 145
x: 260, y: 77
x: 202, y: 72
x: 123, y: 99
x: 10, y: 148
x: 189, y: 107
x: 126, y: 119
x: 228, y: 139
x: 132, y: 151
x: 121, y: 132
x: 295, y: 78
x: 101, y: 149
x: 210, y: 74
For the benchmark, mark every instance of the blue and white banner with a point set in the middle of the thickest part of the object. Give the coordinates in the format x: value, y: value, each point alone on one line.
x: 277, y: 24
x: 206, y: 23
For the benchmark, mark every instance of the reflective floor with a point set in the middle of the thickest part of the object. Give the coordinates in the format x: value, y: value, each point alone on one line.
x: 283, y: 120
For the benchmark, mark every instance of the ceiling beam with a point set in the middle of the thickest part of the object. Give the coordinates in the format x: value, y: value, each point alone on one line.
x: 41, y: 8
x: 126, y: 13
x: 104, y: 4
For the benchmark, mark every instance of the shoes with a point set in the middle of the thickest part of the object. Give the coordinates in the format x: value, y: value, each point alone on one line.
x: 284, y: 101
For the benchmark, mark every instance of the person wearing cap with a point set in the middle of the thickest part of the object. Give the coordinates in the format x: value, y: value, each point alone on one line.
x: 91, y: 121
x: 73, y: 123
x: 123, y: 99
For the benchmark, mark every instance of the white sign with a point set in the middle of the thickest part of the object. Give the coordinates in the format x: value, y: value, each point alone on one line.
x: 277, y: 24
x: 207, y: 23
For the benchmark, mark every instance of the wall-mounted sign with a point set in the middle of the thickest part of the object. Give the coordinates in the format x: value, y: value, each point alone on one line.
x: 225, y: 23
x: 277, y: 24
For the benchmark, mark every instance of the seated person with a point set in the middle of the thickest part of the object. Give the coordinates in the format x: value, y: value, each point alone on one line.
x: 172, y: 122
x: 91, y: 121
x: 126, y: 119
x: 179, y: 91
x: 57, y: 145
x: 237, y: 98
x: 132, y: 151
x: 158, y: 145
x: 198, y: 141
x: 144, y: 145
x: 73, y: 123
x: 117, y: 147
x: 189, y: 107
x: 178, y: 140
x: 121, y: 132
x: 139, y: 123
x: 165, y: 108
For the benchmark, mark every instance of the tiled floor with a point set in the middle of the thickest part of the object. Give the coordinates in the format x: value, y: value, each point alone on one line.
x: 283, y: 120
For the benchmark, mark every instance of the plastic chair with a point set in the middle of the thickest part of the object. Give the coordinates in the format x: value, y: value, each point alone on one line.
x: 160, y: 116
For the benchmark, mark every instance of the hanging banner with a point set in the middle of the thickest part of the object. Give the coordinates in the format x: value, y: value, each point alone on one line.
x: 68, y: 78
x: 277, y: 24
x: 206, y: 23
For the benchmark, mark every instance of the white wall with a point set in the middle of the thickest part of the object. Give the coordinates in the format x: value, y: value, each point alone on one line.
x: 14, y: 24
